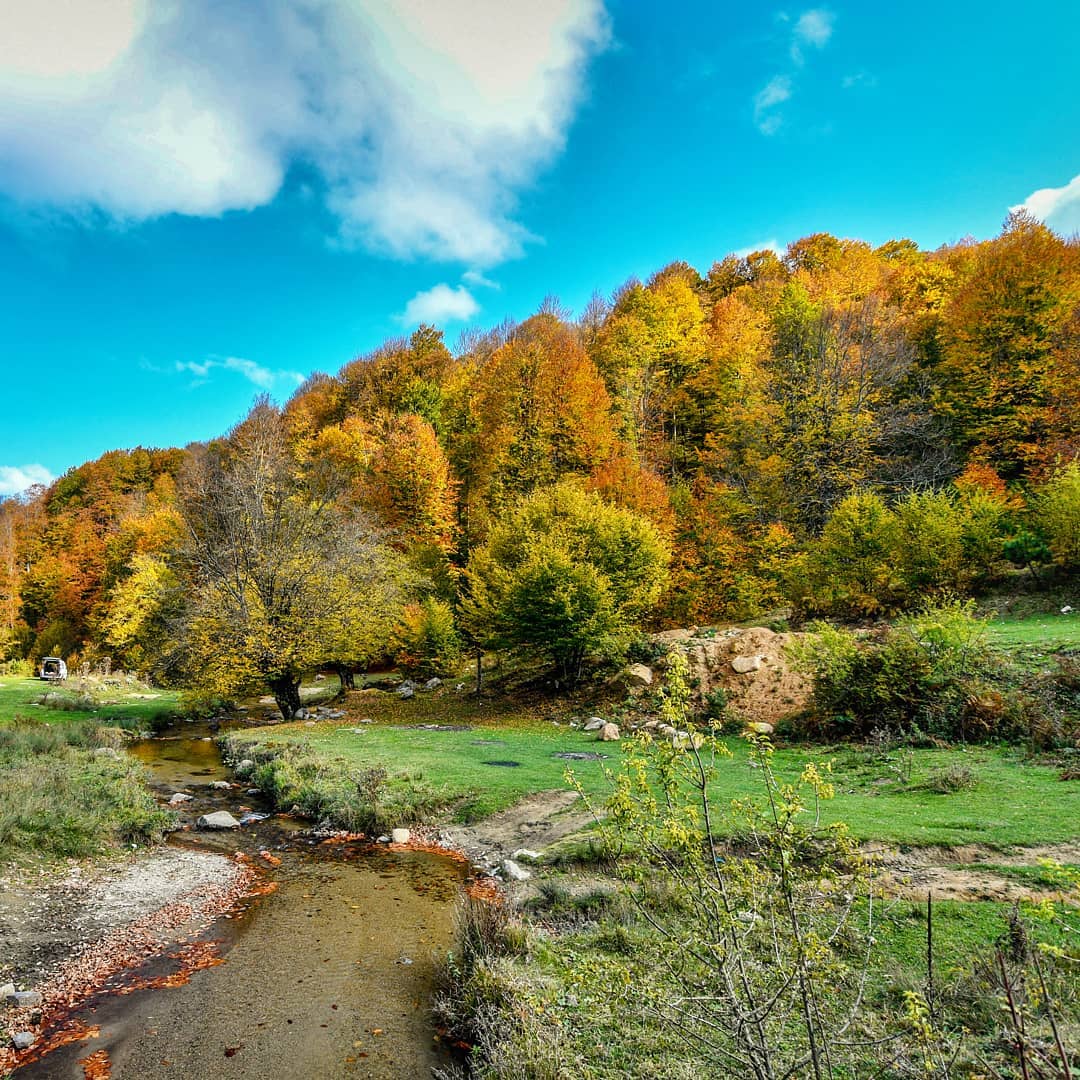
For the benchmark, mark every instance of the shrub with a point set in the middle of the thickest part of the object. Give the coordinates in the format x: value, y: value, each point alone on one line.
x: 429, y: 643
x: 951, y: 779
x: 929, y: 675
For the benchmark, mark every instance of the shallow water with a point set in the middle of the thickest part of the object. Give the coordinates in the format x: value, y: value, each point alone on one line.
x: 328, y: 976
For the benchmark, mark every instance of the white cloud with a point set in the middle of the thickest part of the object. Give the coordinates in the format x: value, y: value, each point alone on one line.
x: 422, y: 119
x: 15, y: 479
x: 474, y: 277
x: 814, y: 28
x: 860, y: 78
x: 439, y: 305
x: 771, y: 244
x: 1059, y: 207
x: 263, y: 377
x: 775, y: 92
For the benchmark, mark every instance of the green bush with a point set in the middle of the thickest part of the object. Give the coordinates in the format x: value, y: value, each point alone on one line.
x: 930, y: 675
x: 429, y: 643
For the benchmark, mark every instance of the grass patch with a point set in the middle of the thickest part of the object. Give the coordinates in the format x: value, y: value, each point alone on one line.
x: 1043, y: 633
x: 112, y: 701
x: 1014, y: 802
x: 65, y: 790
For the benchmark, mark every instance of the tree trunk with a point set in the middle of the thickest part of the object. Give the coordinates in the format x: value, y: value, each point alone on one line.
x: 286, y: 691
x: 345, y: 675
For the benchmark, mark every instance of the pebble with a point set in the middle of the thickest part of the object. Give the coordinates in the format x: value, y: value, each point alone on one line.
x: 23, y: 1040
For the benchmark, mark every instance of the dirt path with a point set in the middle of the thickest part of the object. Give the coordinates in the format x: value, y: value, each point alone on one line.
x: 967, y: 872
x: 535, y: 822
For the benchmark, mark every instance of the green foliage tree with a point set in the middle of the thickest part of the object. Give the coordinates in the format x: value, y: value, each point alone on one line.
x: 1057, y: 514
x: 565, y: 575
x: 279, y: 578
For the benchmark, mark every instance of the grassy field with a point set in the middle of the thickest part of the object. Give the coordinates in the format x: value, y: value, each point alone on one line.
x: 1047, y: 631
x: 488, y: 756
x: 109, y: 702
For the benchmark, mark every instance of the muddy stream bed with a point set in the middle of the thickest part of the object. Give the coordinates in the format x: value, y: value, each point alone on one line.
x: 328, y: 973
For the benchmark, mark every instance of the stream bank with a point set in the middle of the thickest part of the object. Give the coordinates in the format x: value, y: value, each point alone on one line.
x: 282, y: 957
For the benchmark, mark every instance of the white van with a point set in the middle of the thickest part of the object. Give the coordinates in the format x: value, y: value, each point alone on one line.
x: 52, y: 669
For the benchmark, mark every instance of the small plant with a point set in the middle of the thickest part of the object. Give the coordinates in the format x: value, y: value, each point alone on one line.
x: 950, y: 780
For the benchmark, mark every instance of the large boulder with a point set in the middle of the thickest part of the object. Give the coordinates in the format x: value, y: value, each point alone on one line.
x: 399, y: 836
x: 743, y: 665
x: 514, y: 872
x: 638, y: 677
x: 609, y: 733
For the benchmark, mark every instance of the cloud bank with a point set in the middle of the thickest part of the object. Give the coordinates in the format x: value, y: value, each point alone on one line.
x: 420, y: 119
x: 15, y: 479
x: 263, y: 377
x: 1058, y: 207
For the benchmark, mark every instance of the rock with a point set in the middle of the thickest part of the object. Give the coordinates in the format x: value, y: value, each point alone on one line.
x: 760, y: 728
x: 25, y: 999
x: 515, y: 872
x: 399, y: 836
x: 384, y: 839
x: 106, y: 751
x: 433, y: 683
x: 244, y: 766
x: 23, y: 1040
x: 7, y: 991
x: 220, y: 785
x: 406, y: 690
x: 179, y: 797
x: 609, y: 733
x: 251, y: 817
x: 666, y: 730
x: 219, y: 819
x: 743, y: 665
x: 638, y: 675
x: 594, y: 723
x: 299, y: 714
x: 525, y: 853
x: 651, y: 725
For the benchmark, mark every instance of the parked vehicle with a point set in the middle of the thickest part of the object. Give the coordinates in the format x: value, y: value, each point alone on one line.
x: 52, y: 669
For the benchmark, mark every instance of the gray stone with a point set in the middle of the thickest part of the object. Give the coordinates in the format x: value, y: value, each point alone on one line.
x: 219, y: 819
x: 384, y: 839
x: 638, y: 675
x: 179, y: 797
x: 23, y: 1040
x: 299, y: 714
x: 525, y: 853
x: 594, y: 723
x: 6, y: 991
x: 106, y: 751
x: 433, y: 683
x: 760, y: 728
x: 244, y: 766
x: 399, y: 836
x: 220, y: 785
x: 406, y: 690
x: 609, y: 733
x: 743, y: 665
x: 515, y: 872
x: 26, y: 999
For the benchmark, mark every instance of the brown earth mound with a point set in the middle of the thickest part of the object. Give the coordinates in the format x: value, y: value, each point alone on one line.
x: 751, y: 666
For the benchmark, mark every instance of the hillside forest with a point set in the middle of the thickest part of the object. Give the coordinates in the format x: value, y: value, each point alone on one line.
x: 840, y: 430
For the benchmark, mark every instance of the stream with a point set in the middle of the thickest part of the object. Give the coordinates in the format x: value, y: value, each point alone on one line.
x: 329, y: 975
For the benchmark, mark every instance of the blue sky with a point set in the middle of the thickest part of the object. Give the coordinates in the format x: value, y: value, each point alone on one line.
x: 199, y: 202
